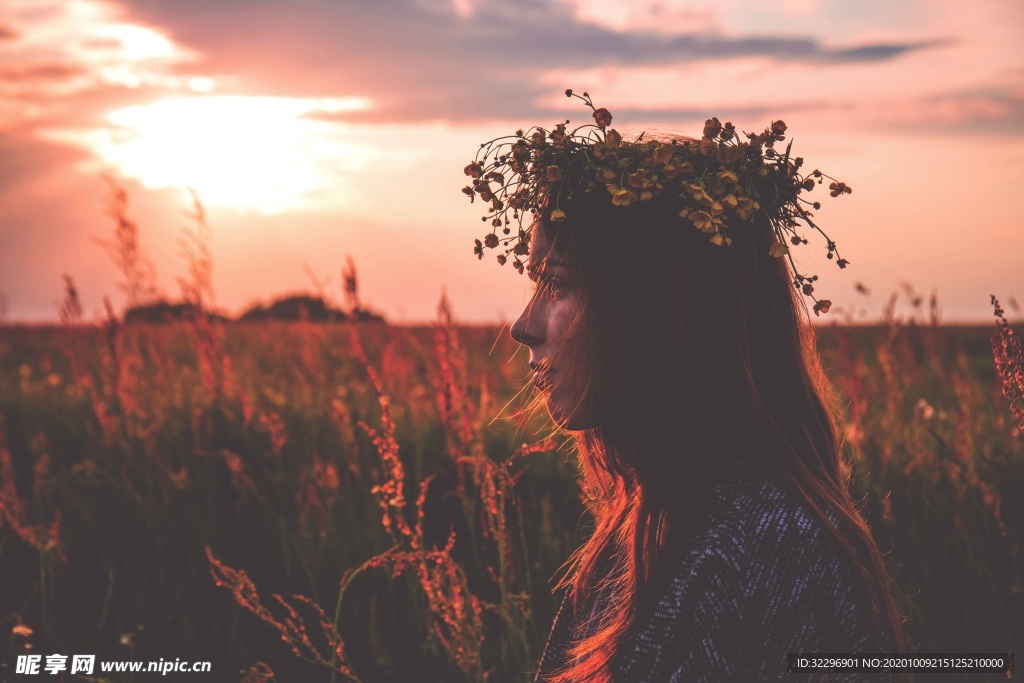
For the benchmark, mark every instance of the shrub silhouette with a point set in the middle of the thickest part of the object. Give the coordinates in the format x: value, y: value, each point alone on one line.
x: 161, y: 311
x: 305, y: 307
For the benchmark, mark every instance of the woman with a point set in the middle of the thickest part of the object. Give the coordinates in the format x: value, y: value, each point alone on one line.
x: 666, y: 337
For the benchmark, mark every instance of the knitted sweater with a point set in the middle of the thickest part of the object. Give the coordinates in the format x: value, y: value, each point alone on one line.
x: 764, y: 578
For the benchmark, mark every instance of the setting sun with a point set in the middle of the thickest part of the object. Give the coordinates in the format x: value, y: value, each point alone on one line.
x: 265, y: 154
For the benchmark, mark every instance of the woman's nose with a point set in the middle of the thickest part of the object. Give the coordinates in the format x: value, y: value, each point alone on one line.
x: 523, y: 331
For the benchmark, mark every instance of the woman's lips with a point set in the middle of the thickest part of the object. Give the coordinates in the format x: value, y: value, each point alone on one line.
x: 541, y: 374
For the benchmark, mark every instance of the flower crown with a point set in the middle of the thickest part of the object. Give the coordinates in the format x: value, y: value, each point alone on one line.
x: 713, y: 180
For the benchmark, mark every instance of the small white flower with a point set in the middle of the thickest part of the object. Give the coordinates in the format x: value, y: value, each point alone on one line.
x: 924, y: 409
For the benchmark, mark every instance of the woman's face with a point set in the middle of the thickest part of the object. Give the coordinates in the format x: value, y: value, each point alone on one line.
x: 543, y: 326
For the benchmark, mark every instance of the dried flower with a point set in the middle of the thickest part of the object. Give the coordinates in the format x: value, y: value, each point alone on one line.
x: 663, y: 153
x: 623, y: 197
x: 839, y: 188
x: 702, y: 220
x: 1009, y: 357
x: 712, y: 127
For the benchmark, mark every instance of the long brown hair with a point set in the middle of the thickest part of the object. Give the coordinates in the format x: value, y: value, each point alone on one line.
x: 700, y: 357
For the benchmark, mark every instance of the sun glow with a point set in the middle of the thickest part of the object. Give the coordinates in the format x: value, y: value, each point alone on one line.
x: 269, y: 154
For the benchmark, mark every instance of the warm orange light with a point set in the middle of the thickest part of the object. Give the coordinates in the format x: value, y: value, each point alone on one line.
x: 259, y: 153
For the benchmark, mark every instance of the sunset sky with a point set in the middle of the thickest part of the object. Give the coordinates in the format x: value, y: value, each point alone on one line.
x: 313, y: 129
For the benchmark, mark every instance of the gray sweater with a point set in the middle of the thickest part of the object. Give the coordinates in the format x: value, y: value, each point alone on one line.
x: 764, y: 578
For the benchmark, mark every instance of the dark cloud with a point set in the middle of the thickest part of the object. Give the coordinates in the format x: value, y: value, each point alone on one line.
x: 7, y: 33
x: 420, y: 61
x: 560, y: 41
x: 874, y: 53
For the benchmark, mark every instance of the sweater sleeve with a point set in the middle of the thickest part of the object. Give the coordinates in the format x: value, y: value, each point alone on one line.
x: 766, y: 585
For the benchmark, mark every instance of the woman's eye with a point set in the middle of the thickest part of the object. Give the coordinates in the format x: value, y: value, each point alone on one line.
x: 551, y: 284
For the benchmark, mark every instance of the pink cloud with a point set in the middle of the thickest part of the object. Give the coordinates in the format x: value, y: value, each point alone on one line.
x: 649, y: 16
x: 64, y: 51
x: 947, y: 109
x: 39, y: 72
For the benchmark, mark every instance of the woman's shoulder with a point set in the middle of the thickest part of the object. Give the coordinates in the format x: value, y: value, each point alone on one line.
x: 763, y: 544
x: 750, y: 514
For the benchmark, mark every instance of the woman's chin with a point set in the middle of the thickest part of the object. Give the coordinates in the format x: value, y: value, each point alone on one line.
x: 572, y: 422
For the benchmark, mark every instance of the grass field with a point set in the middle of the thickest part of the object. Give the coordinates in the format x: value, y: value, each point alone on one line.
x: 332, y: 502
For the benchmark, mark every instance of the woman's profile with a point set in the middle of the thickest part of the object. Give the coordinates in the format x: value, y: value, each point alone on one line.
x: 668, y: 336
